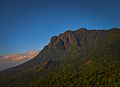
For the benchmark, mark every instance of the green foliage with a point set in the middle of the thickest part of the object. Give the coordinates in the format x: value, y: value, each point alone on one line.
x: 108, y: 77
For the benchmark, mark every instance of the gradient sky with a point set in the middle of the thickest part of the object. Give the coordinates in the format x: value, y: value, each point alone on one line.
x: 27, y: 25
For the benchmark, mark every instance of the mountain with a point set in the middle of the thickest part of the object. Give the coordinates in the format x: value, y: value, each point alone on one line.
x: 80, y: 58
x: 7, y: 61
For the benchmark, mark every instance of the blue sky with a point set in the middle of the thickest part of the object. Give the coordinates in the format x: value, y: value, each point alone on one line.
x: 27, y: 25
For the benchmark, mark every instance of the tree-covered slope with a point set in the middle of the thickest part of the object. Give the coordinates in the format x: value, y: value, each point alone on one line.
x: 81, y: 58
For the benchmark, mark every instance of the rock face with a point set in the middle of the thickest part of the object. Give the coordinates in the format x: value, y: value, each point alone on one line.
x: 65, y: 40
x: 79, y: 38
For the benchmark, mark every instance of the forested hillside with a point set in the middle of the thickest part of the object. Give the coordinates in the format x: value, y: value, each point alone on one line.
x: 81, y: 58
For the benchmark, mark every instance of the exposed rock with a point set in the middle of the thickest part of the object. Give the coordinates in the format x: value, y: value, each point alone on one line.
x: 52, y: 41
x: 81, y: 30
x: 65, y: 40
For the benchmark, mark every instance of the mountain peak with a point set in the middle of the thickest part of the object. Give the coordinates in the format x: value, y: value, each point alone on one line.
x: 70, y: 38
x: 63, y: 41
x: 82, y: 30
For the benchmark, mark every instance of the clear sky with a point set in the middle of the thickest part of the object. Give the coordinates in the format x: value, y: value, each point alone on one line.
x: 27, y: 25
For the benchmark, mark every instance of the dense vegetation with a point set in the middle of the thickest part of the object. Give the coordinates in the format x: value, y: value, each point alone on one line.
x: 97, y: 65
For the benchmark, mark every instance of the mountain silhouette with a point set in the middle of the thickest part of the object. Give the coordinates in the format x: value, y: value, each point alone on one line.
x: 80, y: 58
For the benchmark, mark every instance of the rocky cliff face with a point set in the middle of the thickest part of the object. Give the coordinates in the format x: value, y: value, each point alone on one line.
x: 63, y: 41
x: 66, y: 40
x: 71, y: 42
x: 80, y: 38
